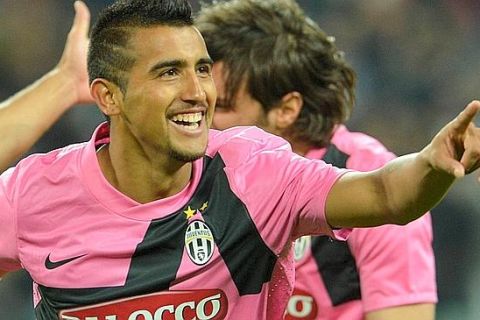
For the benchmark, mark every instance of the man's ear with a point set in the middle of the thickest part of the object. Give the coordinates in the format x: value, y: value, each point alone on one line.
x: 286, y: 113
x: 107, y: 95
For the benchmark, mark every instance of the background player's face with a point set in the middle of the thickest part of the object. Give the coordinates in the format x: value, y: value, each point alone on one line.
x: 170, y: 96
x: 244, y: 111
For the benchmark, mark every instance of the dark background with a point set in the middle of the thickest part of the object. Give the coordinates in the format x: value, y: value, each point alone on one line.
x: 418, y: 65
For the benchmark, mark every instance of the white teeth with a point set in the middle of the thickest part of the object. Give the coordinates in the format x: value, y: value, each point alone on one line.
x: 188, y: 117
x: 188, y: 121
x: 191, y: 126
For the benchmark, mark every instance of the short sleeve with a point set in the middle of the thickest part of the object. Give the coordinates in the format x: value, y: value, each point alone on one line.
x: 285, y: 194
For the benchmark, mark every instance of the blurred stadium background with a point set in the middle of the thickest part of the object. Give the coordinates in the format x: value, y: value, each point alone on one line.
x: 418, y: 64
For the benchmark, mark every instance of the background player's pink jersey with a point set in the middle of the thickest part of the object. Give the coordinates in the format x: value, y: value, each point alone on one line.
x: 219, y: 249
x: 376, y: 268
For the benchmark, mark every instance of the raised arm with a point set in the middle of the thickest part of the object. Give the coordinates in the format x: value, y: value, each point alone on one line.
x: 27, y: 115
x: 411, y: 185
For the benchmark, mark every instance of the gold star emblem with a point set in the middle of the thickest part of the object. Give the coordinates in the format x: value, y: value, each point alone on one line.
x: 204, y: 206
x: 189, y: 212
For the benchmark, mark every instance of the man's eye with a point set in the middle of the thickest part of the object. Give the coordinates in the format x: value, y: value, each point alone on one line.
x: 169, y: 73
x: 204, y: 69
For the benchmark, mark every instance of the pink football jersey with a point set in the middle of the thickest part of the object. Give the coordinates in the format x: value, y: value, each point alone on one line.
x: 219, y: 249
x: 376, y: 268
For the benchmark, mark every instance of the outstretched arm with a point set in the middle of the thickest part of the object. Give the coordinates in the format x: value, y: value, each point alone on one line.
x: 27, y: 115
x: 423, y: 311
x: 411, y: 185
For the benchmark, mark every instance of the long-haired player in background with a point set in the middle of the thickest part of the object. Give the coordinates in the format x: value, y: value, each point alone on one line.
x: 289, y: 78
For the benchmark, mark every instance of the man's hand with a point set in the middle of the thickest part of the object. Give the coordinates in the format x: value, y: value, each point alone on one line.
x: 456, y: 148
x: 73, y: 64
x: 410, y: 185
x: 26, y: 116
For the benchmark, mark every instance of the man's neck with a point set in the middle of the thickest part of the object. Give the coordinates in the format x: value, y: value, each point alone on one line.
x: 139, y: 178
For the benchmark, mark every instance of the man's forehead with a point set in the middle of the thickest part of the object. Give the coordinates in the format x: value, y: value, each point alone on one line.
x: 168, y: 43
x: 167, y: 38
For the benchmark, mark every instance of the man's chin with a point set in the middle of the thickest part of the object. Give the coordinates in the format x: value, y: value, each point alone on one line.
x: 187, y: 156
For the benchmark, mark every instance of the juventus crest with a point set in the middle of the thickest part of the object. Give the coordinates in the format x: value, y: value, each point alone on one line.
x: 199, y: 242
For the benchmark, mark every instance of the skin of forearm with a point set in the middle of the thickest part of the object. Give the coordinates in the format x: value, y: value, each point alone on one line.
x: 400, y: 192
x: 424, y: 311
x: 27, y: 115
x: 412, y: 187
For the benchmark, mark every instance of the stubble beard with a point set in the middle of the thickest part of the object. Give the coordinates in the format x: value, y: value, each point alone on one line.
x: 184, y: 156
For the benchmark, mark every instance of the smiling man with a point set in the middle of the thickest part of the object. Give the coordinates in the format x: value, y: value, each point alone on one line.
x: 160, y: 114
x: 158, y: 217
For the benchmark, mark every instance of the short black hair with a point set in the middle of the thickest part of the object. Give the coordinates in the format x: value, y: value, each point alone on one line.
x: 109, y: 56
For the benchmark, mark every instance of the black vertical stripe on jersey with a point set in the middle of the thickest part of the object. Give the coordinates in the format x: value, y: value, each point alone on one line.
x: 337, y: 269
x: 249, y: 260
x: 335, y: 261
x: 158, y: 256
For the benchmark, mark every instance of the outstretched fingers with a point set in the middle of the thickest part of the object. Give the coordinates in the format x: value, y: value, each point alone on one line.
x: 471, y: 156
x: 462, y: 122
x: 456, y: 147
x: 466, y: 136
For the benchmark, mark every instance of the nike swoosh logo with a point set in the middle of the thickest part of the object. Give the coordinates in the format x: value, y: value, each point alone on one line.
x: 50, y: 265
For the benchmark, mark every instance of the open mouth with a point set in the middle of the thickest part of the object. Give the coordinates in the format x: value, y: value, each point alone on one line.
x: 188, y: 121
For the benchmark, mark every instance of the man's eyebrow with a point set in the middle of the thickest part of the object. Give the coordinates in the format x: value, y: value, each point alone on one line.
x: 167, y: 64
x: 177, y: 63
x: 205, y: 61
